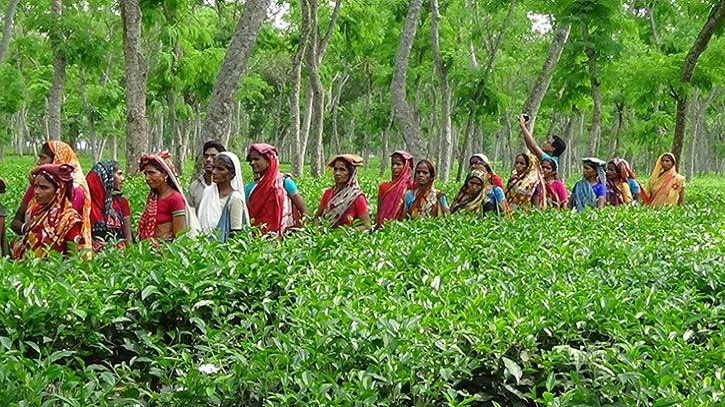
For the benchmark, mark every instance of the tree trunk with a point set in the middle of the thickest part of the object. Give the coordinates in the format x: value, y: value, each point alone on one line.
x: 714, y: 21
x: 7, y: 29
x: 95, y: 152
x: 446, y: 141
x: 533, y: 102
x: 135, y: 73
x: 595, y: 125
x: 402, y: 111
x: 616, y: 126
x: 298, y: 155
x: 55, y: 97
x: 217, y: 123
x: 317, y: 95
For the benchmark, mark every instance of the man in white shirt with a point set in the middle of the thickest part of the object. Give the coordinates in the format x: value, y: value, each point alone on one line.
x: 196, y: 188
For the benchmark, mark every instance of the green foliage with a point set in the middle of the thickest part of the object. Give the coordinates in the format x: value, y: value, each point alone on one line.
x: 621, y: 306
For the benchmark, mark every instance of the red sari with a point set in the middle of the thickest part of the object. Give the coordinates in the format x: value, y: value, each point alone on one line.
x: 53, y: 226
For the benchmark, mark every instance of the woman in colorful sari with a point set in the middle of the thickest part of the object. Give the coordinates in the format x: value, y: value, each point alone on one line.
x: 165, y: 215
x: 526, y: 186
x: 479, y: 196
x: 590, y: 191
x: 618, y: 192
x: 274, y: 202
x: 390, y: 193
x: 424, y: 200
x: 223, y: 209
x: 666, y: 185
x: 478, y: 162
x: 58, y: 152
x: 345, y: 203
x: 51, y: 222
x: 634, y: 186
x: 555, y: 189
x: 110, y: 212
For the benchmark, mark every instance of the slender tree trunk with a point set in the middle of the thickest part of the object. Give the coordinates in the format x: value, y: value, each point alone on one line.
x: 446, y: 141
x: 95, y: 152
x: 55, y: 97
x: 318, y: 96
x: 616, y: 126
x: 533, y: 102
x: 298, y: 155
x: 135, y: 72
x: 714, y: 21
x: 7, y: 29
x: 402, y: 111
x: 592, y: 67
x: 217, y: 123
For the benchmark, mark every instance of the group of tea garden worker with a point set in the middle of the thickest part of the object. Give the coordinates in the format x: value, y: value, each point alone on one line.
x: 63, y: 210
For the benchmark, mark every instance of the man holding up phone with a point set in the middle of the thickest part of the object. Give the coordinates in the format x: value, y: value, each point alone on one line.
x: 551, y: 148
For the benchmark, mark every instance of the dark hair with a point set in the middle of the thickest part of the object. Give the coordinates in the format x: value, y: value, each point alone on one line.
x: 591, y: 164
x: 526, y: 158
x: 554, y: 166
x: 430, y: 166
x: 115, y: 165
x: 227, y: 163
x: 350, y: 167
x: 559, y: 145
x: 45, y: 148
x: 213, y: 144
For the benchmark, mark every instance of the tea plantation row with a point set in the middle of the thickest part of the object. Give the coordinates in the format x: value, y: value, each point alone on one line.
x: 619, y: 307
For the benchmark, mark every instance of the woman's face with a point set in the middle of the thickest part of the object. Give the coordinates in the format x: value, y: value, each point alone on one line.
x: 476, y: 163
x: 258, y: 162
x: 547, y: 169
x: 611, y: 171
x: 422, y: 174
x: 220, y: 173
x: 397, y: 162
x: 44, y: 158
x: 340, y: 172
x: 154, y: 178
x: 589, y: 172
x: 44, y: 190
x: 520, y: 164
x: 474, y: 185
x: 667, y: 162
x: 117, y: 179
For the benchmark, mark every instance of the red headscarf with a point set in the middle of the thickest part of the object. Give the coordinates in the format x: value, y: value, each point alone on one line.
x: 391, y: 199
x: 48, y: 225
x: 266, y: 201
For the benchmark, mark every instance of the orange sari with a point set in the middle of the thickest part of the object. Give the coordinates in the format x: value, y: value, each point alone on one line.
x: 665, y: 187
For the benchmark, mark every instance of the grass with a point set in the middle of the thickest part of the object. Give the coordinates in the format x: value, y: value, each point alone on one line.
x: 618, y: 307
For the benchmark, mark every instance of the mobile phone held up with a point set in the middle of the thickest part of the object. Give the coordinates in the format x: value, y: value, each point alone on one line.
x: 526, y: 117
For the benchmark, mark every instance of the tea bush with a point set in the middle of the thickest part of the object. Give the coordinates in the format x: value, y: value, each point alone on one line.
x: 618, y: 307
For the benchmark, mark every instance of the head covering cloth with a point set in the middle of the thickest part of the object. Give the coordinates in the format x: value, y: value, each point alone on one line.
x: 147, y: 221
x: 391, y: 199
x: 665, y: 185
x: 100, y: 183
x: 64, y: 154
x: 523, y: 185
x: 343, y: 198
x: 209, y: 209
x: 47, y: 225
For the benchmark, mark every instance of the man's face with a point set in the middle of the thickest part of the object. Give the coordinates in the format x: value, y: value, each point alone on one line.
x: 209, y: 155
x: 547, y: 146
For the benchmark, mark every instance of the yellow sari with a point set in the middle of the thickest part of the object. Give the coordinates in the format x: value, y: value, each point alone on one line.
x: 665, y: 187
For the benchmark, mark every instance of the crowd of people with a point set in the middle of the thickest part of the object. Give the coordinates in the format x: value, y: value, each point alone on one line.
x: 62, y: 210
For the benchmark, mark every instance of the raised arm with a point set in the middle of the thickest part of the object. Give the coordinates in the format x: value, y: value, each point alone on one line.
x: 529, y: 139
